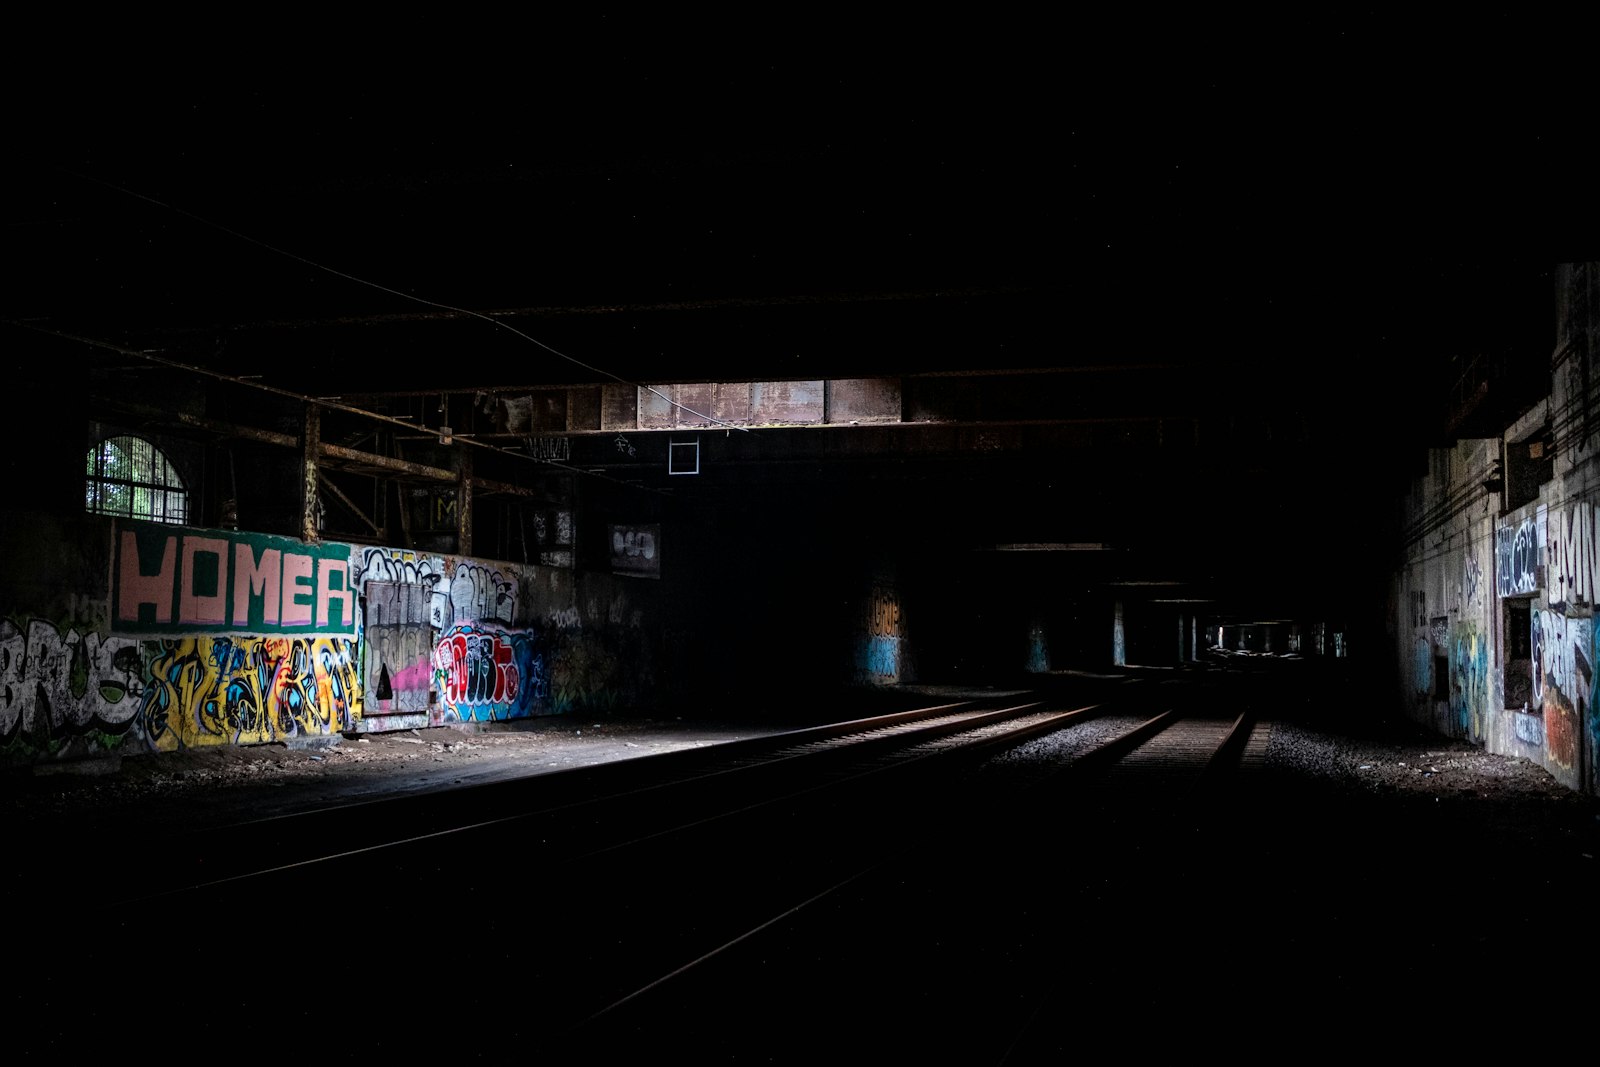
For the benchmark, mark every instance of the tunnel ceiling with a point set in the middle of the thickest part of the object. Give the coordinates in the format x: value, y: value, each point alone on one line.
x: 1217, y: 351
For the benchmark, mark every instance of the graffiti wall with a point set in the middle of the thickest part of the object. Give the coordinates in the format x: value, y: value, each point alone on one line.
x: 1469, y: 679
x: 397, y: 639
x: 484, y: 674
x: 195, y: 637
x: 176, y: 637
x: 167, y: 579
x: 636, y: 550
x: 1516, y: 557
x: 248, y: 690
x: 1563, y: 678
x: 467, y: 640
x: 1590, y: 713
x: 1571, y: 553
x: 1565, y: 671
x: 879, y: 643
x: 60, y: 682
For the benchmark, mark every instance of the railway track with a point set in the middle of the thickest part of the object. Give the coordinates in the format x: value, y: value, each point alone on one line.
x: 1179, y: 759
x: 618, y: 892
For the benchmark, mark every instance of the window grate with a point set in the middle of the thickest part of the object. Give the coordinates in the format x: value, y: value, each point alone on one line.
x: 129, y: 476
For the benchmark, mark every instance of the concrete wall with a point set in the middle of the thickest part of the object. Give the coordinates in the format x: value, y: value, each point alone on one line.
x: 1493, y: 613
x: 123, y: 636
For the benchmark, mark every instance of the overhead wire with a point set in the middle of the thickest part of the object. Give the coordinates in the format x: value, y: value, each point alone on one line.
x: 407, y: 296
x: 318, y: 401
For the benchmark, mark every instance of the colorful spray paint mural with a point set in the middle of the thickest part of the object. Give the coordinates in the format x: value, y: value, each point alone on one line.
x: 486, y: 674
x: 1573, y: 581
x: 397, y: 641
x: 212, y: 637
x: 258, y: 633
x: 430, y: 624
x: 249, y: 690
x: 1563, y: 648
x: 879, y: 644
x: 1469, y: 680
x: 1422, y: 668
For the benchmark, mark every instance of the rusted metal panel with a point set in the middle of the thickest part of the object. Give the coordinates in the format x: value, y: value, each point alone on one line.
x: 583, y: 409
x: 549, y: 412
x: 864, y: 400
x: 694, y: 404
x: 517, y: 413
x: 619, y: 407
x: 786, y: 403
x: 666, y: 407
x: 730, y: 402
x: 655, y: 408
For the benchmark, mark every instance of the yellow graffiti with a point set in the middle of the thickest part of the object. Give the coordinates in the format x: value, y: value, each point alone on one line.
x: 249, y: 690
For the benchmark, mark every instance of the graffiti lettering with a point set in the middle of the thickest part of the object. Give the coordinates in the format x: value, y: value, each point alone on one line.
x: 1529, y: 729
x: 480, y: 673
x: 1539, y: 638
x: 231, y: 690
x: 1516, y: 558
x: 476, y: 593
x: 397, y: 639
x: 1572, y: 559
x: 1469, y: 680
x: 883, y: 618
x: 879, y: 644
x: 878, y: 659
x: 53, y: 681
x: 1471, y: 579
x: 1561, y: 676
x: 229, y: 582
x: 389, y: 565
x: 636, y: 549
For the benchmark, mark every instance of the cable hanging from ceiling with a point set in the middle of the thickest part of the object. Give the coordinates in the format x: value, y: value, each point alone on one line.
x: 409, y: 296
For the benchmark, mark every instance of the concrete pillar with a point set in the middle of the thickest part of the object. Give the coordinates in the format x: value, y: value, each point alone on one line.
x: 1119, y: 639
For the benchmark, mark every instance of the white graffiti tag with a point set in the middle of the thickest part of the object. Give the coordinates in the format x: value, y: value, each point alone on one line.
x: 52, y: 681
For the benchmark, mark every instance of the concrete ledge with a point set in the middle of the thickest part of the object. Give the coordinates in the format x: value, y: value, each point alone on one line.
x: 314, y: 743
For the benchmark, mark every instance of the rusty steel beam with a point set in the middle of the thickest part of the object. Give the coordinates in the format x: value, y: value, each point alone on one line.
x: 489, y: 485
x: 399, y: 466
x: 125, y: 409
x: 464, y: 506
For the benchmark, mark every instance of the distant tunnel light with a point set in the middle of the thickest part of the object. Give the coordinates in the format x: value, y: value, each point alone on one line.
x: 1054, y: 546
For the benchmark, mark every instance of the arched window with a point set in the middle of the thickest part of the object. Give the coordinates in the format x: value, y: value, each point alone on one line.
x: 130, y: 476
